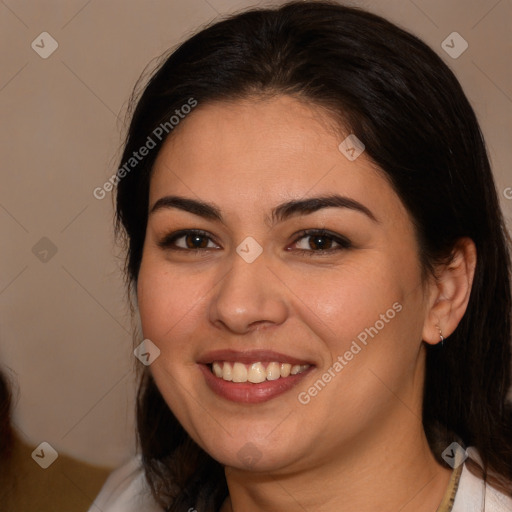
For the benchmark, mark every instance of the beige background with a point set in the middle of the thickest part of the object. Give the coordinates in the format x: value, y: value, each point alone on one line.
x: 65, y: 327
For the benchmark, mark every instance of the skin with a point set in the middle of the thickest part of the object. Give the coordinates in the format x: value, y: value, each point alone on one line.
x: 358, y: 445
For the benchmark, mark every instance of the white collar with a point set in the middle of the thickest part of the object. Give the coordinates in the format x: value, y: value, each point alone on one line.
x: 126, y: 490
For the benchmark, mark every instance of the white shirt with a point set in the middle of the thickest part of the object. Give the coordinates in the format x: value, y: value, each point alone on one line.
x: 126, y: 490
x: 474, y: 496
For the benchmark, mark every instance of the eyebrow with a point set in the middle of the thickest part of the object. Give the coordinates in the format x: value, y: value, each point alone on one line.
x: 279, y: 214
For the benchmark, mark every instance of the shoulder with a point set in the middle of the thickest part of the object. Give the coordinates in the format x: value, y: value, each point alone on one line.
x: 474, y: 495
x: 126, y: 490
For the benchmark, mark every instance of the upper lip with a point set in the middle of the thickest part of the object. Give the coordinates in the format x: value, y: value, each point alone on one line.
x: 250, y: 356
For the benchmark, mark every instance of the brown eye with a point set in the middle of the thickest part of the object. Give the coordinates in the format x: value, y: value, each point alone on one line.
x: 187, y: 240
x: 193, y: 241
x: 320, y: 241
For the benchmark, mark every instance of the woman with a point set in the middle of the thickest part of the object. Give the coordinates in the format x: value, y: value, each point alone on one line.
x: 321, y: 269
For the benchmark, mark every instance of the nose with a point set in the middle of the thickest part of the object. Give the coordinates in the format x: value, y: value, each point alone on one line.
x: 249, y: 297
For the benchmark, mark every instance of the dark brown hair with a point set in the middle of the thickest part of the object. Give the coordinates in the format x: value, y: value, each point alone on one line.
x: 397, y: 96
x: 6, y: 431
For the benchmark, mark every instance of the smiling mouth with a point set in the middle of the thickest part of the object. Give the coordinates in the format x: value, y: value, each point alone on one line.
x: 255, y: 373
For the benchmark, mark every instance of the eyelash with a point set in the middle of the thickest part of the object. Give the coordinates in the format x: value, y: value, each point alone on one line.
x: 168, y: 241
x: 343, y: 243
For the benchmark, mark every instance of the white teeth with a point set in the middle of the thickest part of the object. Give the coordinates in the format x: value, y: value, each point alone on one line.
x: 295, y: 369
x: 285, y: 369
x: 227, y: 372
x: 239, y: 372
x: 256, y: 372
x: 298, y: 368
x: 273, y: 371
x: 217, y: 369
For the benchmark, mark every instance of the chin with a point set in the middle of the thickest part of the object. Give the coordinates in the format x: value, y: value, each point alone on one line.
x: 261, y: 448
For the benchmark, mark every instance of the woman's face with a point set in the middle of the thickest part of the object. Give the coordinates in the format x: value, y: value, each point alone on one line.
x: 251, y: 296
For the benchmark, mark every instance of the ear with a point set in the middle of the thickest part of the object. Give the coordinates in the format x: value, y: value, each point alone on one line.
x: 450, y: 292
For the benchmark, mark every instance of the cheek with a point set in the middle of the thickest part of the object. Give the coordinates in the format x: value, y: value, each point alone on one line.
x: 343, y: 301
x: 169, y: 303
x: 370, y: 320
x: 336, y: 304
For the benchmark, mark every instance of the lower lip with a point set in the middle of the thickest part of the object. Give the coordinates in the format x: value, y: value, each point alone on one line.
x: 248, y: 393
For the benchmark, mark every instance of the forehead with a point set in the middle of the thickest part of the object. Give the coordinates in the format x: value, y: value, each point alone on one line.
x: 262, y: 152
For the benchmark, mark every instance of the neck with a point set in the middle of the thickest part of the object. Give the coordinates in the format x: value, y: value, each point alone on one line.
x: 392, y: 471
